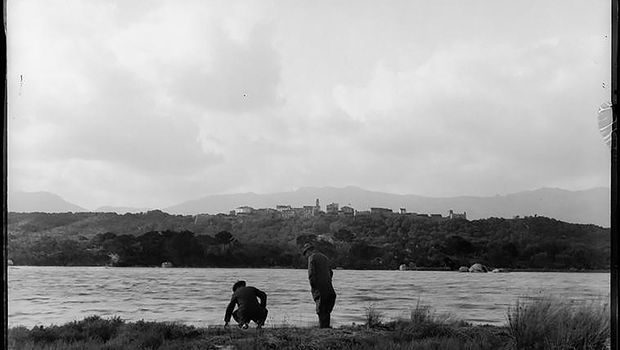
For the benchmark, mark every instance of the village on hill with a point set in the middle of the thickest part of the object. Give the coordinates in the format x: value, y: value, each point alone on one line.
x: 287, y: 211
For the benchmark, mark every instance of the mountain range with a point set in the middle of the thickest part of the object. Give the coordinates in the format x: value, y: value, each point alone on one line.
x: 586, y: 207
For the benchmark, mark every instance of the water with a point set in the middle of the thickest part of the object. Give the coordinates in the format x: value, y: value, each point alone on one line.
x: 197, y: 296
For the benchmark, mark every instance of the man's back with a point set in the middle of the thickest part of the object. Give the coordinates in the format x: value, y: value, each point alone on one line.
x: 247, y: 298
x: 320, y: 273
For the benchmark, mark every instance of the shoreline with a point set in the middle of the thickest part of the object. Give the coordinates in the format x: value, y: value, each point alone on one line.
x: 423, y: 331
x: 434, y: 269
x: 551, y: 320
x: 164, y: 335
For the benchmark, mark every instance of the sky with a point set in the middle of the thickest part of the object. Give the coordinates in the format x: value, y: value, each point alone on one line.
x: 151, y: 103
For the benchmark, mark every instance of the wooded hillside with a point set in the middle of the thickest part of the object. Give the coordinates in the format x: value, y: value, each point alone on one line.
x: 378, y: 241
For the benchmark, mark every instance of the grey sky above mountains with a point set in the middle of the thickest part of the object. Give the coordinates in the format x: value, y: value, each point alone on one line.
x: 151, y: 103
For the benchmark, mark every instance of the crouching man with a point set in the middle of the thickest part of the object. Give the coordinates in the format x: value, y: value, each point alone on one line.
x: 247, y: 298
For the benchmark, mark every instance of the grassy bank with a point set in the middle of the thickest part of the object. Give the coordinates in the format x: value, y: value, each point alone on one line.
x: 540, y: 324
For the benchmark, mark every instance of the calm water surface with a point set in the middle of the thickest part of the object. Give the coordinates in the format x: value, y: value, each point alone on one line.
x: 196, y: 296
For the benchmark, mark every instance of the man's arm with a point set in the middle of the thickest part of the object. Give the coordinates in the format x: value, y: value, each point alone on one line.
x: 262, y: 296
x: 312, y: 271
x: 230, y: 308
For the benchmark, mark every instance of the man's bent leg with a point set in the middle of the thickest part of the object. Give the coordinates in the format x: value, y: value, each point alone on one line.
x: 241, y: 321
x: 261, y: 317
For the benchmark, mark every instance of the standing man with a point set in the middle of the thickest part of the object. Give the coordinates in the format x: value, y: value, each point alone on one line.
x: 249, y: 308
x: 320, y: 275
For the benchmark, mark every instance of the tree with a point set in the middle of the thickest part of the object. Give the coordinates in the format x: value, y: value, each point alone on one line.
x: 126, y: 247
x: 303, y: 239
x: 182, y: 249
x: 344, y: 235
x: 224, y: 237
x: 457, y: 245
x: 152, y: 248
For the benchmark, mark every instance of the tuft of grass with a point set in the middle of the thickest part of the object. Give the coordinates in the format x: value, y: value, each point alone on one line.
x: 422, y: 314
x: 424, y: 323
x: 549, y: 323
x: 373, y: 316
x: 426, y: 329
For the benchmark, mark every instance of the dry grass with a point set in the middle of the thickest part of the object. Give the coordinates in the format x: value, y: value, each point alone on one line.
x: 169, y: 336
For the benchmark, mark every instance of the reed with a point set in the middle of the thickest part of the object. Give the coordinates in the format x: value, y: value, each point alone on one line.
x: 373, y: 316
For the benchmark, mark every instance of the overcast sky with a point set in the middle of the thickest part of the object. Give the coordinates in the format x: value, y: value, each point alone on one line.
x: 151, y: 103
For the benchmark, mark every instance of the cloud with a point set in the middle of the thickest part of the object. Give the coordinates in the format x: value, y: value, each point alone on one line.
x: 138, y: 103
x: 243, y: 77
x: 119, y: 95
x: 469, y: 113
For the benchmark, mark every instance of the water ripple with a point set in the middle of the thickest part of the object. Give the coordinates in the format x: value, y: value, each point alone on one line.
x: 200, y: 296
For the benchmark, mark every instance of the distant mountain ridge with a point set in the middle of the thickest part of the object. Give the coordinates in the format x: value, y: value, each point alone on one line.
x: 585, y: 207
x: 28, y: 202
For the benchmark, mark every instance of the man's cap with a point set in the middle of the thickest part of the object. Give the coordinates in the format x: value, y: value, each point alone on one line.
x: 238, y: 284
x: 306, y: 248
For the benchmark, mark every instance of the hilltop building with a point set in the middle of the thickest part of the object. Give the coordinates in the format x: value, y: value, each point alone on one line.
x: 265, y: 211
x: 347, y: 211
x: 332, y: 208
x: 283, y: 207
x: 308, y: 210
x: 244, y: 210
x: 453, y: 215
x: 287, y: 211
